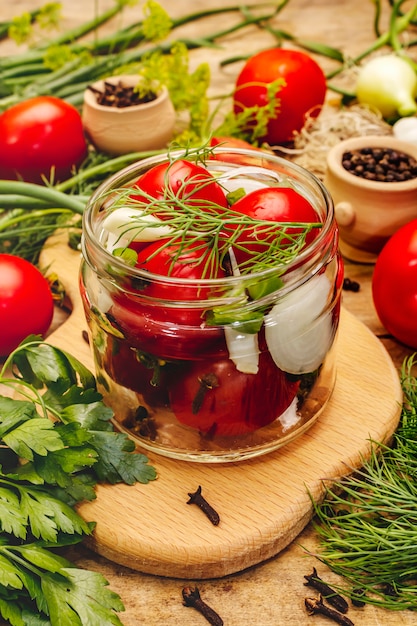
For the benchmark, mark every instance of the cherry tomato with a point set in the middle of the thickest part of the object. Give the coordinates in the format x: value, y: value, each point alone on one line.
x: 233, y: 403
x: 170, y: 331
x: 39, y: 135
x: 26, y: 303
x: 190, y: 261
x: 394, y: 285
x: 272, y: 204
x: 145, y: 329
x: 136, y: 370
x: 234, y: 142
x: 190, y: 182
x: 303, y: 90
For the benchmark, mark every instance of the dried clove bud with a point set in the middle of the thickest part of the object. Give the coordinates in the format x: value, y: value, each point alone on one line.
x: 334, y: 598
x: 198, y: 499
x: 315, y: 606
x: 207, y: 382
x: 191, y: 596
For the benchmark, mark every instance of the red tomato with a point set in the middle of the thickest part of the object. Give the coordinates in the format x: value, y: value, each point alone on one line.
x: 170, y: 331
x: 235, y: 403
x: 182, y: 179
x: 182, y: 262
x: 145, y: 329
x: 303, y: 90
x: 394, y: 285
x: 136, y: 370
x: 272, y: 204
x: 26, y: 304
x: 234, y: 142
x: 40, y: 134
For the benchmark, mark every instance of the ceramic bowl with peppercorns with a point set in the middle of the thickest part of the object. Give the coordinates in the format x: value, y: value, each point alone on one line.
x: 373, y: 183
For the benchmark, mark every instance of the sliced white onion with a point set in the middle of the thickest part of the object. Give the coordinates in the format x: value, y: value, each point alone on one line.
x: 243, y: 350
x: 240, y: 178
x: 290, y: 416
x: 121, y: 223
x: 298, y: 331
x: 242, y: 347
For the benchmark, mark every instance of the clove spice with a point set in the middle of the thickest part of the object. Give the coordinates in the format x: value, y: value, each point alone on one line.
x: 207, y: 382
x: 316, y: 606
x: 334, y: 598
x: 192, y: 598
x: 119, y: 95
x: 198, y: 499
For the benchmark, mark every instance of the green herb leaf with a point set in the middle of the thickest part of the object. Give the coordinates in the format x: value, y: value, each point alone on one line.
x: 36, y: 435
x: 47, y: 515
x: 12, y: 519
x: 367, y: 523
x: 117, y: 463
x: 80, y: 597
x: 14, y: 412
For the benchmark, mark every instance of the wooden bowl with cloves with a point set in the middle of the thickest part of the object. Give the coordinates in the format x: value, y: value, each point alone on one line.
x: 117, y: 122
x: 373, y: 183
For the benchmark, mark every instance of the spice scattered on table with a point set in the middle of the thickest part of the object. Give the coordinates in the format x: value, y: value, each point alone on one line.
x: 380, y: 164
x: 334, y: 598
x: 350, y: 285
x: 316, y: 606
x: 193, y: 599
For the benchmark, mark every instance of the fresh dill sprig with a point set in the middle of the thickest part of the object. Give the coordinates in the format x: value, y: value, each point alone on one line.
x: 367, y: 523
x: 194, y: 221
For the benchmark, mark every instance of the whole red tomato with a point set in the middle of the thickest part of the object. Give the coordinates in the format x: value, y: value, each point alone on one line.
x: 152, y: 320
x: 303, y: 90
x: 394, y: 285
x: 182, y: 179
x: 39, y: 135
x: 184, y: 262
x: 26, y: 304
x: 233, y: 403
x: 271, y: 204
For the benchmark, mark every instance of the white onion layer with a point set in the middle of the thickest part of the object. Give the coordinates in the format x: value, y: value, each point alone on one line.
x: 243, y: 350
x: 298, y: 331
x: 121, y: 224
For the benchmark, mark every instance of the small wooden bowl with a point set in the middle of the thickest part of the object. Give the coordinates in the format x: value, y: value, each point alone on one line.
x: 368, y: 212
x: 137, y: 128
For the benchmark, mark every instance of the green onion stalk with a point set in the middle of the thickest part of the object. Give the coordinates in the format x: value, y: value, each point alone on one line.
x: 28, y: 74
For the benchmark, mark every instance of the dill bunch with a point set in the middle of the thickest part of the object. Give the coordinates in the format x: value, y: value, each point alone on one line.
x: 367, y: 523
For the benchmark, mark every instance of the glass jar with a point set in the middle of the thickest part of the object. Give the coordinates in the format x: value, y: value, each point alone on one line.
x: 222, y: 368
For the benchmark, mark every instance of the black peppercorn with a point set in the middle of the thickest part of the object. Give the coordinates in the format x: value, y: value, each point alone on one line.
x: 380, y: 164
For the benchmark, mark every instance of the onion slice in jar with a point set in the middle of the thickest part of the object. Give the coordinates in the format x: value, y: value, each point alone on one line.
x: 243, y: 347
x: 298, y: 329
x: 129, y: 225
x: 240, y: 178
x: 243, y: 350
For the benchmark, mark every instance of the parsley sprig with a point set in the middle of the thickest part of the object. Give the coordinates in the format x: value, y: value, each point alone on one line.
x: 56, y: 443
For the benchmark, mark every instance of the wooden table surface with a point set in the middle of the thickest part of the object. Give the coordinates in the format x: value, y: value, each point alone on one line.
x: 271, y: 593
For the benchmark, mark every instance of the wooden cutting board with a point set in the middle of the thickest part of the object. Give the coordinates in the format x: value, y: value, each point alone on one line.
x: 263, y: 503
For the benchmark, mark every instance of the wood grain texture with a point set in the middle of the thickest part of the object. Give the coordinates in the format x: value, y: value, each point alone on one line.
x: 264, y: 503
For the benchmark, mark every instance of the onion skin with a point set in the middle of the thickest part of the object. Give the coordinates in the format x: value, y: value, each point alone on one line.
x: 388, y: 83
